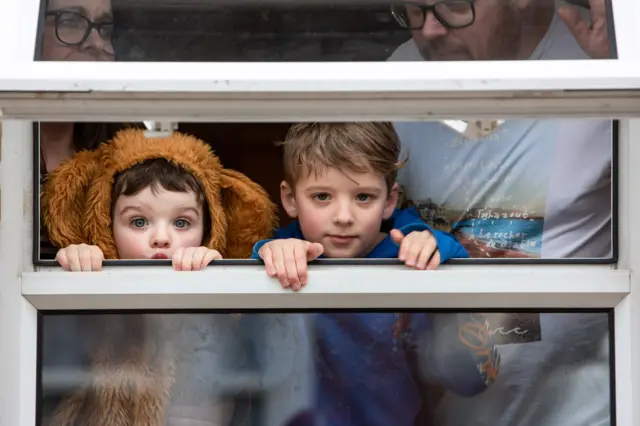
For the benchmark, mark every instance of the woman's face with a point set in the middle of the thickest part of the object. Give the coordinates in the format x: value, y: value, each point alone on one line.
x: 70, y: 21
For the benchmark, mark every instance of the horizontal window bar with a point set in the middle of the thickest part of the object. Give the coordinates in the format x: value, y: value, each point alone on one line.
x: 278, y: 107
x: 331, y: 77
x: 248, y: 287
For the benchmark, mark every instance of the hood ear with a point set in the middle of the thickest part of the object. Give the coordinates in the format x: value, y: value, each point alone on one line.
x: 251, y: 216
x: 63, y: 198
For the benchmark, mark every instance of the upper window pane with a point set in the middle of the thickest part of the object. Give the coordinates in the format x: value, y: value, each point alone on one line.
x: 293, y: 31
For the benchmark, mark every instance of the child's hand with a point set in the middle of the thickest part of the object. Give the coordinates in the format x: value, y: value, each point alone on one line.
x: 287, y: 260
x: 417, y: 248
x: 193, y: 258
x: 80, y: 257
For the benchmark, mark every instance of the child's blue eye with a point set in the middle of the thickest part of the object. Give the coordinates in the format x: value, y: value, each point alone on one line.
x: 321, y: 196
x: 139, y: 222
x: 363, y: 197
x: 181, y: 223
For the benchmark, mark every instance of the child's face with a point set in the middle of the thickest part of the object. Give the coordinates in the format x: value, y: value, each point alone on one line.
x: 153, y: 226
x: 342, y: 210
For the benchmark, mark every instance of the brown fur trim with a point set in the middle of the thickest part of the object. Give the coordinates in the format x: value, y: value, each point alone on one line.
x: 249, y: 213
x: 63, y: 198
x: 131, y: 377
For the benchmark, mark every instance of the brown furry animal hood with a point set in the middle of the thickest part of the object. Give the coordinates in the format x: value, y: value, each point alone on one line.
x: 76, y: 198
x: 134, y: 362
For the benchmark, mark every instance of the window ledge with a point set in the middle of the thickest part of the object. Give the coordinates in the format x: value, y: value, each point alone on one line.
x: 248, y: 287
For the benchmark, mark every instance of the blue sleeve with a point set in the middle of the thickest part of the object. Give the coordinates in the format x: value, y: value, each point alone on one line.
x: 457, y: 351
x: 290, y: 231
x: 409, y: 221
x: 256, y: 248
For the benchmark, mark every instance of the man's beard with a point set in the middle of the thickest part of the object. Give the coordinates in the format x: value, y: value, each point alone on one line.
x: 443, y: 50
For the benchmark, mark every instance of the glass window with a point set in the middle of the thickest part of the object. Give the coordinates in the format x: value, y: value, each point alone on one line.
x: 517, y: 190
x: 329, y: 367
x: 294, y: 31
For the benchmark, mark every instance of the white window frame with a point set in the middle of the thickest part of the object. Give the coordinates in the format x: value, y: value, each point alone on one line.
x: 309, y: 91
x: 296, y: 92
x: 26, y: 290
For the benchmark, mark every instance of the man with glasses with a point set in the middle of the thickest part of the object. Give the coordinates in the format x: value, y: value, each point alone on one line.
x: 500, y: 30
x: 518, y: 188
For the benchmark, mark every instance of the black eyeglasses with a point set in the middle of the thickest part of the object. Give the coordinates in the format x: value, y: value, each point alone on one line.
x: 450, y: 13
x: 73, y: 29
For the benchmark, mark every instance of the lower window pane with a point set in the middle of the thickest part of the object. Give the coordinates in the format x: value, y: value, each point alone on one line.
x: 325, y: 368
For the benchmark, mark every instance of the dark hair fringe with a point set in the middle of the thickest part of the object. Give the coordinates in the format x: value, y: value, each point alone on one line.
x: 166, y: 174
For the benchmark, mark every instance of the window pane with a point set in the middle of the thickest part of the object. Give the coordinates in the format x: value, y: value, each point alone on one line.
x: 335, y: 368
x: 514, y: 189
x: 294, y: 31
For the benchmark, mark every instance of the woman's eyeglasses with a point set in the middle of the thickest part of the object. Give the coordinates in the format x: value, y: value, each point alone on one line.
x: 73, y: 29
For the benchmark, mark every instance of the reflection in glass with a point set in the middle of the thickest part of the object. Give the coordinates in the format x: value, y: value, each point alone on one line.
x: 514, y: 188
x: 320, y: 30
x: 338, y: 368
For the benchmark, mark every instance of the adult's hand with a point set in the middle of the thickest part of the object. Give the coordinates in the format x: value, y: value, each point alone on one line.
x: 593, y: 37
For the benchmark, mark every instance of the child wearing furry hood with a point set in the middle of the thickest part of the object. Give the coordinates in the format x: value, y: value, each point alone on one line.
x: 95, y: 206
x: 152, y: 198
x: 158, y: 211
